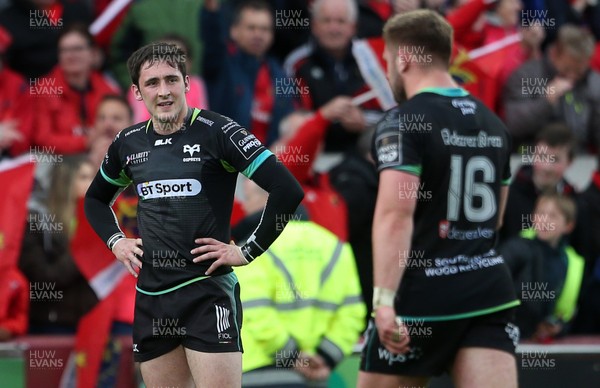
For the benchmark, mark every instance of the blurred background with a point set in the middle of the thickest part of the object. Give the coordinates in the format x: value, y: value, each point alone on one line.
x: 308, y: 79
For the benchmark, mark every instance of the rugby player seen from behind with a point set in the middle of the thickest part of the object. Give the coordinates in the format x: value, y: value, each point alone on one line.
x: 443, y: 297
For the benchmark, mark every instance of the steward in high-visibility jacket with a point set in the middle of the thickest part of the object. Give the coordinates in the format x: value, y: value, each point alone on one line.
x: 302, y: 295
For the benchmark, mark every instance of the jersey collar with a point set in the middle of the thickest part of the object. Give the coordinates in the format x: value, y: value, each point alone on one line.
x: 447, y: 92
x: 192, y: 114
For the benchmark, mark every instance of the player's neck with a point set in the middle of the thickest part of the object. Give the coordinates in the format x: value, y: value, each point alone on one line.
x: 171, y: 126
x: 430, y: 79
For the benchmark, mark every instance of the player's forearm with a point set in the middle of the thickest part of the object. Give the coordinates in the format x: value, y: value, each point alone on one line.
x: 387, y: 256
x: 285, y: 194
x: 97, y: 203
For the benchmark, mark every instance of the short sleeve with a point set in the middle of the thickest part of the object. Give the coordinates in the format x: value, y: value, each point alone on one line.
x: 240, y: 150
x: 396, y: 149
x: 112, y: 169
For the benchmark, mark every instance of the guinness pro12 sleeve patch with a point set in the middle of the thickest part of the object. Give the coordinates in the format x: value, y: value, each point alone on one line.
x: 246, y: 143
x: 388, y: 151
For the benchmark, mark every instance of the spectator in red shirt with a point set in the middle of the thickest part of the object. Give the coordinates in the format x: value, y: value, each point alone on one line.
x: 67, y: 98
x: 15, y: 111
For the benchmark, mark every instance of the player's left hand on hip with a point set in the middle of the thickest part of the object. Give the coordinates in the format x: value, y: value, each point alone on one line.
x: 392, y: 335
x: 225, y: 254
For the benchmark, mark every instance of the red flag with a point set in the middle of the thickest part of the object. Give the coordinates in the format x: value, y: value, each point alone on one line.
x: 472, y: 78
x: 108, y: 278
x: 478, y: 70
x: 89, y: 252
x: 16, y: 180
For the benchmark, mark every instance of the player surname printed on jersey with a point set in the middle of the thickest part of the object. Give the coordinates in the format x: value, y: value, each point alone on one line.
x: 482, y: 140
x: 467, y: 107
x: 169, y: 188
x: 245, y: 142
x: 388, y: 148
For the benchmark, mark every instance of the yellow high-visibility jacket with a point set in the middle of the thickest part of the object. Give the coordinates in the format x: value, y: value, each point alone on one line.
x: 566, y: 305
x: 303, y: 294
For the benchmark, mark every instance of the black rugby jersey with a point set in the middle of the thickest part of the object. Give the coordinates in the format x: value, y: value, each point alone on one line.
x: 185, y: 184
x: 460, y: 151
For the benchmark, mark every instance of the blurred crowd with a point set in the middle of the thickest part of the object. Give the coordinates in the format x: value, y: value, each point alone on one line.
x: 307, y: 78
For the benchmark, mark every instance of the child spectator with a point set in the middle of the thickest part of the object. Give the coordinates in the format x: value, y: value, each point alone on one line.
x: 547, y: 272
x: 543, y: 169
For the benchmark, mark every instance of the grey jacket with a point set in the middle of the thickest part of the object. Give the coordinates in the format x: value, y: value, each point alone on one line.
x: 527, y: 110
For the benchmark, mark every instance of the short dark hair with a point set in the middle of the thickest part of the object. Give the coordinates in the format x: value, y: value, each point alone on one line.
x: 558, y: 134
x: 182, y: 42
x: 255, y: 5
x: 79, y: 28
x: 152, y: 53
x: 422, y: 28
x: 120, y: 99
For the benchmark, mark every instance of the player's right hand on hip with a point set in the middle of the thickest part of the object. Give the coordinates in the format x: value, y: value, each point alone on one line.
x: 392, y: 335
x: 127, y: 251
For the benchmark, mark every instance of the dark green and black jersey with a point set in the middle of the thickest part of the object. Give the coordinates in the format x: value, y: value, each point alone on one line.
x: 460, y: 151
x: 185, y: 183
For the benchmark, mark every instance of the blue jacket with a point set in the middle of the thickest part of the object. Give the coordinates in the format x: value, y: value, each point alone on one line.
x: 230, y: 76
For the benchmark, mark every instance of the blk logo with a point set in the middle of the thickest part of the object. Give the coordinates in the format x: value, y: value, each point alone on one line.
x: 161, y: 142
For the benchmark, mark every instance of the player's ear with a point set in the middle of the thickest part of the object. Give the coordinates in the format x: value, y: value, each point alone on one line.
x: 186, y: 82
x: 401, y: 60
x: 136, y: 92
